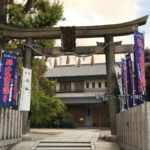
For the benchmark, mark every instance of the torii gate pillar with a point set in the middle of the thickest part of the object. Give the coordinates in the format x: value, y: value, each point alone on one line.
x: 111, y: 82
x: 27, y: 63
x: 28, y: 54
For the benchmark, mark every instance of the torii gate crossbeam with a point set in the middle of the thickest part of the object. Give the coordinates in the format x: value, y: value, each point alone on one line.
x: 81, y: 31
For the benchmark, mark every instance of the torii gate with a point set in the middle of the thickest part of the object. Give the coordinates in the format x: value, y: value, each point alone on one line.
x: 106, y: 31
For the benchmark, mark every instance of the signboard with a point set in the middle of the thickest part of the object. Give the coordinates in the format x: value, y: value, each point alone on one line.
x: 7, y: 75
x: 140, y: 82
x: 119, y: 81
x: 130, y: 78
x: 25, y: 97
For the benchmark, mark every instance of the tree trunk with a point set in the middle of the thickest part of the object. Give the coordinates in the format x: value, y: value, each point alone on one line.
x: 3, y: 17
x: 28, y: 5
x: 3, y: 11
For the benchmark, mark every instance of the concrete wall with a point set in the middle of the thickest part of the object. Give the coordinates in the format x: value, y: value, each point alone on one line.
x: 133, y: 128
x: 10, y: 126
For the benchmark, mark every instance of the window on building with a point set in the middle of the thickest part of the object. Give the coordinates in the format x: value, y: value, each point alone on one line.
x: 93, y: 84
x: 99, y: 84
x: 87, y: 85
x: 89, y: 112
x: 105, y: 84
x: 79, y: 86
x: 65, y: 87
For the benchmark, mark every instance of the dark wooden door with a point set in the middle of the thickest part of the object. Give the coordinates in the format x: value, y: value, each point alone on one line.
x: 100, y: 116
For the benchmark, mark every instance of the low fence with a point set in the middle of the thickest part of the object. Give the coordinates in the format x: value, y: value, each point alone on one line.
x: 133, y: 128
x: 10, y: 126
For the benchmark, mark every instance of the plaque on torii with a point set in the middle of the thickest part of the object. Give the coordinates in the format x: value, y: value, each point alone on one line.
x: 106, y: 31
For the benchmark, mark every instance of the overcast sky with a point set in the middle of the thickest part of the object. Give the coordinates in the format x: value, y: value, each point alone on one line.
x: 99, y: 12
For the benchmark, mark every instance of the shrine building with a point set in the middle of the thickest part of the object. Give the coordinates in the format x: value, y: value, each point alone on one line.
x: 82, y: 89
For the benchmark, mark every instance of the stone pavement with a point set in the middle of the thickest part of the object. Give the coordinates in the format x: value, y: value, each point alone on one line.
x: 74, y: 135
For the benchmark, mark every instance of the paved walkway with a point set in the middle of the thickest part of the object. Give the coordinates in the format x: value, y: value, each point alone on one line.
x: 74, y: 135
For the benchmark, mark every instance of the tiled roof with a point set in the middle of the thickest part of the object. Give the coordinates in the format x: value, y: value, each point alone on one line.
x: 73, y: 71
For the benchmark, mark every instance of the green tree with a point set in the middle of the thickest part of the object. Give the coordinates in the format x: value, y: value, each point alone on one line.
x: 44, y: 106
x: 36, y: 13
x: 43, y: 13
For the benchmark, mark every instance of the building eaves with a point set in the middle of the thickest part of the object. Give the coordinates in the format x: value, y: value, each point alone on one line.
x: 73, y: 71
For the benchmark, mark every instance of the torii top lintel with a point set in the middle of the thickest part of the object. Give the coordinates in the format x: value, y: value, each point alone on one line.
x: 121, y: 29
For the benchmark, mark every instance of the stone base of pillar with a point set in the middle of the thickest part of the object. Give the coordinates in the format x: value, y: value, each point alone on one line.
x: 26, y: 137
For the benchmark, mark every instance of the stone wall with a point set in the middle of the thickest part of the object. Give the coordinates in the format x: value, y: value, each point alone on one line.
x: 133, y: 128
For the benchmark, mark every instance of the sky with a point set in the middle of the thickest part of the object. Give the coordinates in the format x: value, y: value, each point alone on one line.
x: 101, y: 12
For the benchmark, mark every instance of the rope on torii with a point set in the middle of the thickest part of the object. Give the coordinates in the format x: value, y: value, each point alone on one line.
x: 69, y: 53
x: 72, y: 53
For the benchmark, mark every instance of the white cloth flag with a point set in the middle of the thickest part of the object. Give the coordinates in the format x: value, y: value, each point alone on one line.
x: 119, y: 81
x: 25, y: 98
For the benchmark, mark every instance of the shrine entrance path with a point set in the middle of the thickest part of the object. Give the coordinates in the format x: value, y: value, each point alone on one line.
x: 68, y: 135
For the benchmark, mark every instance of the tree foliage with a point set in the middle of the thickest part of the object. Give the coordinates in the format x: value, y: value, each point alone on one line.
x: 36, y: 13
x: 42, y: 14
x: 44, y: 105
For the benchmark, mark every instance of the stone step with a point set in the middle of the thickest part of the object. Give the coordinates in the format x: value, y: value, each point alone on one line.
x: 63, y: 148
x: 64, y: 144
x: 47, y: 145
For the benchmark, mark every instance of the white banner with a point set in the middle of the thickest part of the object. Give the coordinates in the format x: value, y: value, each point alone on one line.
x: 119, y: 81
x: 25, y: 98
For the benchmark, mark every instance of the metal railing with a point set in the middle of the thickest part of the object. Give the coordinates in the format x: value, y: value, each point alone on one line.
x: 82, y: 90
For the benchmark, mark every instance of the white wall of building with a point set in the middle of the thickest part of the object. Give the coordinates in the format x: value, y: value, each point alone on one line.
x: 88, y: 92
x: 72, y: 86
x: 57, y: 86
x: 96, y: 83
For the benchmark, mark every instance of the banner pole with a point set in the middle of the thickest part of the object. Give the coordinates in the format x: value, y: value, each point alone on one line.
x: 133, y: 76
x: 1, y: 59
